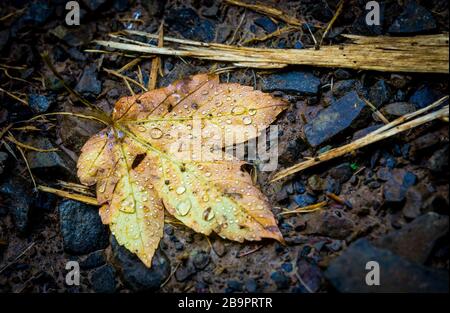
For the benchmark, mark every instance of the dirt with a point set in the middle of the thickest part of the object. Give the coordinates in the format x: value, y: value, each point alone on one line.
x: 384, y: 187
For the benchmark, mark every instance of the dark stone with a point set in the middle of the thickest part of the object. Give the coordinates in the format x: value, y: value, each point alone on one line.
x: 413, y: 19
x: 360, y: 26
x: 299, y: 45
x: 103, y: 279
x: 219, y: 247
x: 438, y: 163
x: 396, y: 109
x: 266, y: 24
x: 251, y: 285
x: 394, y: 190
x: 54, y: 160
x: 38, y: 103
x: 331, y: 223
x: 37, y: 14
x: 342, y: 173
x: 304, y: 200
x: 423, y: 97
x: 81, y: 227
x: 190, y: 25
x: 343, y: 87
x: 296, y: 82
x: 93, y: 5
x: 332, y: 185
x: 379, y: 93
x: 135, y: 274
x: 281, y: 280
x: 200, y: 259
x: 121, y: 5
x: 235, y: 285
x: 287, y: 267
x: 19, y: 201
x: 334, y: 119
x: 415, y: 198
x: 316, y: 183
x: 93, y: 260
x: 347, y: 272
x: 89, y: 83
x: 154, y: 7
x: 310, y: 274
x: 341, y: 74
x: 416, y: 240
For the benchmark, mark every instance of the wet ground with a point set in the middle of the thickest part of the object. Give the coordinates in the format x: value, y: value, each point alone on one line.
x: 395, y: 193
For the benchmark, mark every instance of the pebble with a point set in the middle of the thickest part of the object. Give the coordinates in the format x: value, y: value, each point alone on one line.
x: 81, y: 227
x: 280, y: 279
x: 334, y: 119
x: 38, y: 103
x: 347, y: 272
x: 414, y: 19
x: 135, y: 274
x: 103, y: 279
x: 297, y: 82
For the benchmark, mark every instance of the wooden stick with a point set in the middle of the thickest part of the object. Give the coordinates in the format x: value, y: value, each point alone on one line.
x: 422, y: 54
x: 69, y: 195
x: 389, y: 130
x: 156, y: 62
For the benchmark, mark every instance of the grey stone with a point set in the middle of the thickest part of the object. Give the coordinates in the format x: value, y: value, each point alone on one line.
x: 347, y: 273
x: 296, y: 82
x: 334, y: 119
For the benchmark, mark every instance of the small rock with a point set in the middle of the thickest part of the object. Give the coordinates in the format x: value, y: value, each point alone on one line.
x: 234, y: 285
x: 38, y: 103
x: 416, y: 240
x: 93, y: 5
x: 251, y: 285
x: 267, y: 24
x: 55, y: 160
x: 93, y: 260
x: 89, y: 83
x: 81, y: 227
x: 103, y: 279
x: 423, y: 97
x: 343, y: 87
x: 396, y: 109
x: 135, y: 274
x: 281, y: 280
x: 331, y: 223
x: 394, y: 190
x: 438, y: 163
x: 413, y: 19
x: 341, y: 74
x: 379, y: 93
x: 415, y: 200
x: 200, y: 259
x: 296, y: 82
x: 219, y: 247
x: 190, y: 25
x: 19, y: 201
x: 334, y: 119
x: 316, y: 183
x: 310, y: 274
x: 347, y: 272
x: 342, y: 173
x: 304, y: 200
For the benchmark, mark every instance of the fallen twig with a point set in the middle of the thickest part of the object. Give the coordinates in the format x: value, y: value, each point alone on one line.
x: 427, y: 53
x: 397, y: 126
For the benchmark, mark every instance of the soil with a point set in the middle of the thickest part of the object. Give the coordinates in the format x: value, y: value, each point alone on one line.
x: 395, y: 189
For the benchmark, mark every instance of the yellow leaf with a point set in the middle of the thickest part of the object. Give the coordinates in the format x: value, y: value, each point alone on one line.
x: 164, y: 149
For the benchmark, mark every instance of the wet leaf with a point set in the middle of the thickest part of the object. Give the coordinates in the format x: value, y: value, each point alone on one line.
x: 165, y: 149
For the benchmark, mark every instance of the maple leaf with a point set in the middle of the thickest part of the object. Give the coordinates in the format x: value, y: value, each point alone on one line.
x: 147, y: 161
